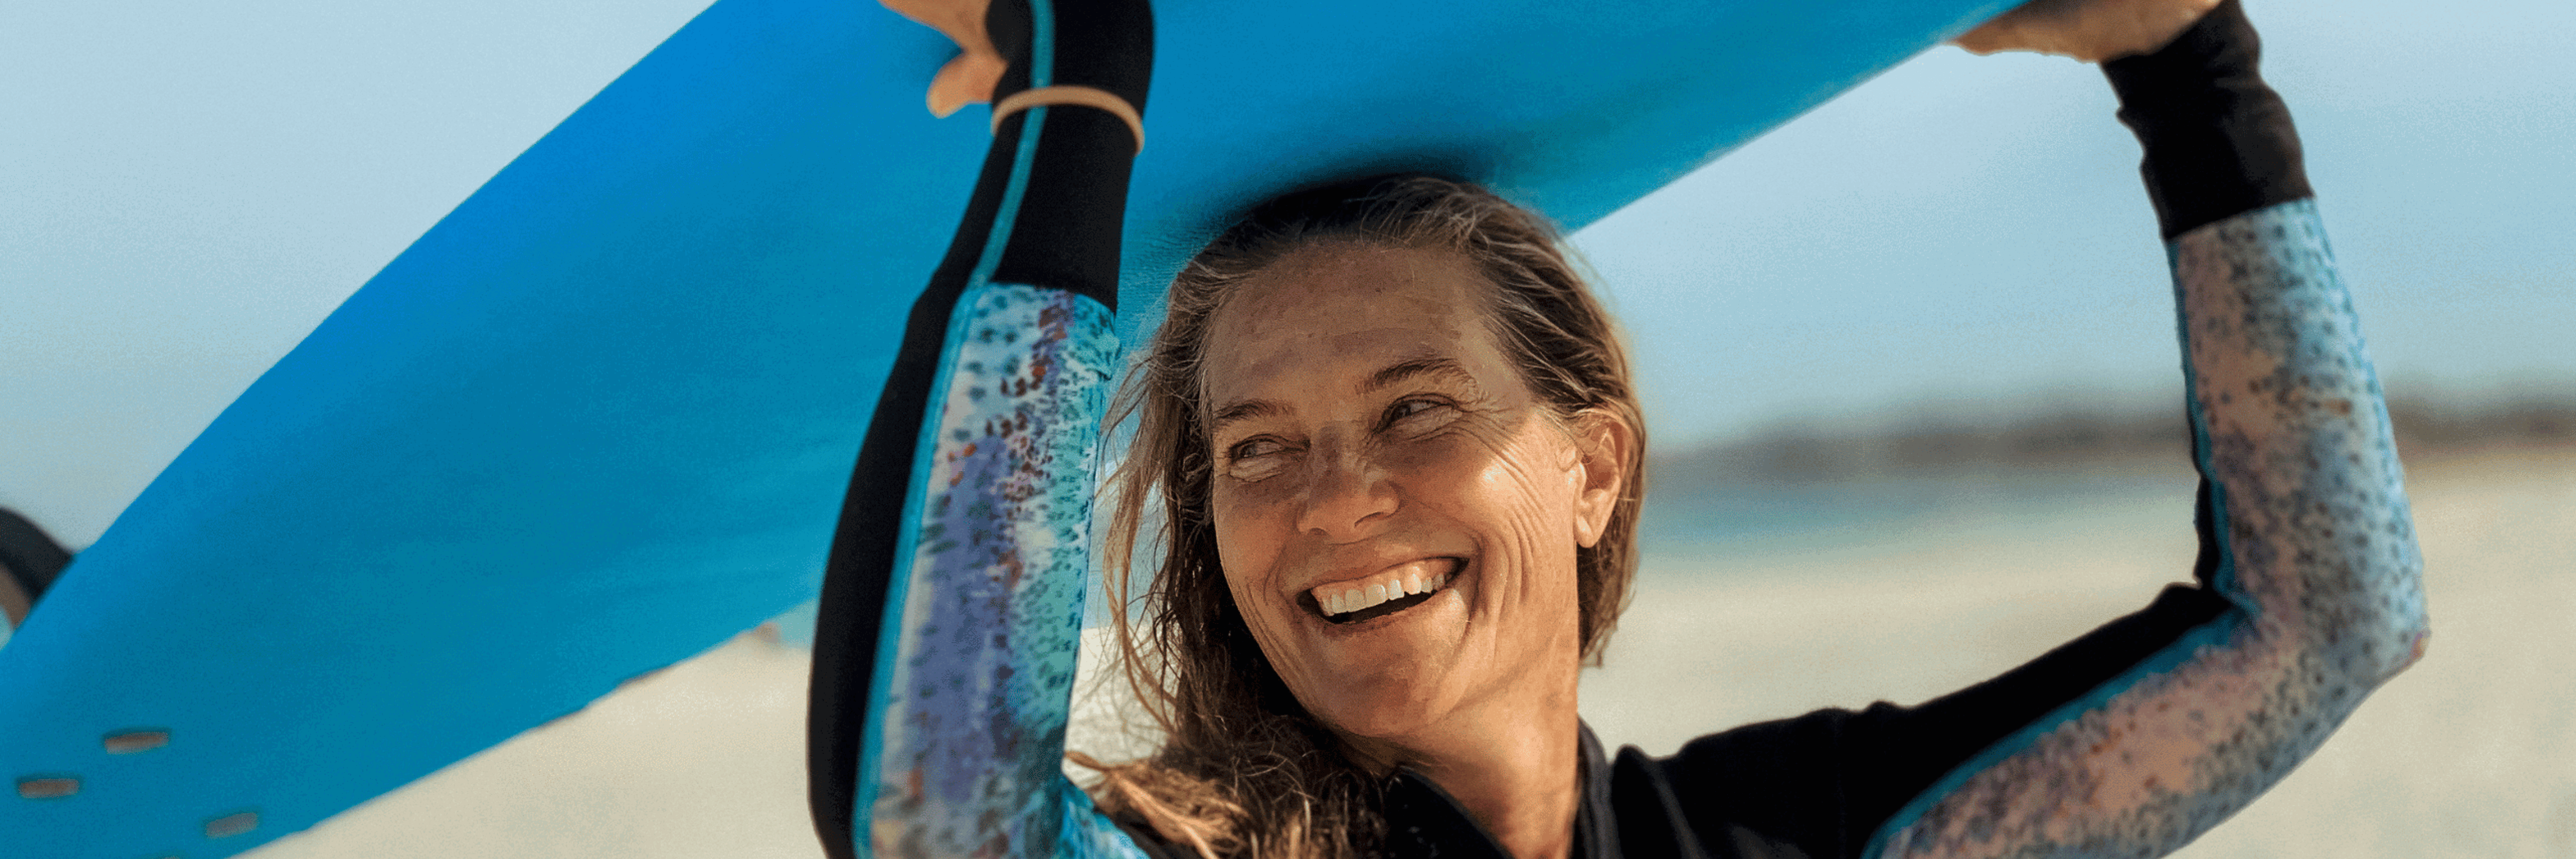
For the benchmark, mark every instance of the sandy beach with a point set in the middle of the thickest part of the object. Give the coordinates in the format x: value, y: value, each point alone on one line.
x: 2471, y: 753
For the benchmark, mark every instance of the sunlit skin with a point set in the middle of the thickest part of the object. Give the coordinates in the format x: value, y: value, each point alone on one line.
x: 1364, y: 420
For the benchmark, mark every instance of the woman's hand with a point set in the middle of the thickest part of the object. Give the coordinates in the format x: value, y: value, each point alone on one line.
x: 2088, y: 30
x: 970, y: 77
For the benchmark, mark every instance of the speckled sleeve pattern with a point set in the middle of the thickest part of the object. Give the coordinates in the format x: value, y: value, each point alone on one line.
x: 972, y: 726
x: 952, y: 602
x: 2314, y: 550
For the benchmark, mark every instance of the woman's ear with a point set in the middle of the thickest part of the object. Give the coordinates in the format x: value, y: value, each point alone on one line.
x: 1605, y: 443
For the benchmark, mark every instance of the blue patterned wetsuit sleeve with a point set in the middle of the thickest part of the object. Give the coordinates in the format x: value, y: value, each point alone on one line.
x: 2310, y: 575
x: 2315, y: 556
x: 968, y: 721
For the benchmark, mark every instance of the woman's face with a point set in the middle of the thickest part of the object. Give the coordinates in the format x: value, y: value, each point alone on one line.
x: 1396, y: 512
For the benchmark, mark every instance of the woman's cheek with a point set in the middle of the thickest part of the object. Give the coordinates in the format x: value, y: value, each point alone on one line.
x: 1479, y: 459
x: 1242, y: 507
x: 1443, y: 456
x: 1248, y: 541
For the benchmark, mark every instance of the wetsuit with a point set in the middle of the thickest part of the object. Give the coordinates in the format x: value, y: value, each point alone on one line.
x: 2140, y: 735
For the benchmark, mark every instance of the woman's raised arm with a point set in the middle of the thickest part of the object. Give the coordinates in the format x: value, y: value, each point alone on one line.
x: 2309, y: 574
x: 952, y: 607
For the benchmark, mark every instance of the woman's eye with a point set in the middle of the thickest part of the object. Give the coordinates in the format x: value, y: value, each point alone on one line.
x: 1254, y: 459
x: 1415, y: 412
x: 1253, y: 448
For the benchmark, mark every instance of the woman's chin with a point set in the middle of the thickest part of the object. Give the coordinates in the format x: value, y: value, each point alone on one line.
x: 1389, y: 677
x: 1384, y: 721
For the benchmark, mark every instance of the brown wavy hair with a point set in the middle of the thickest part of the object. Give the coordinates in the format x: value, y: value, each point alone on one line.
x: 1244, y: 769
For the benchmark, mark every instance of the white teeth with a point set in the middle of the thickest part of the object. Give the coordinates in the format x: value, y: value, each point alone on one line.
x: 1346, y: 597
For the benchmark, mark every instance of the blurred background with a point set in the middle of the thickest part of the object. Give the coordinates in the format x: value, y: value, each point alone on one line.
x: 1910, y: 365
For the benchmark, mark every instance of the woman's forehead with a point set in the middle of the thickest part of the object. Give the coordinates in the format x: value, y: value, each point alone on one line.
x: 1326, y: 279
x: 1340, y: 317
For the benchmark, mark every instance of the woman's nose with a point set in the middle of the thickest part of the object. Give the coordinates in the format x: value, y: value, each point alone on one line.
x: 1347, y: 497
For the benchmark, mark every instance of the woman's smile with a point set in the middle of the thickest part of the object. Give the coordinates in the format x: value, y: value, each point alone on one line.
x: 1372, y: 630
x: 1384, y: 592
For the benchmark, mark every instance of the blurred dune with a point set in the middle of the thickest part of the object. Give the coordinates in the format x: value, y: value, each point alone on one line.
x: 2471, y: 753
x: 2096, y: 428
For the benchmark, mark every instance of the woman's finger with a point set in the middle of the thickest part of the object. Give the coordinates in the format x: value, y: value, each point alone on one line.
x: 965, y: 80
x: 970, y: 77
x: 2088, y: 30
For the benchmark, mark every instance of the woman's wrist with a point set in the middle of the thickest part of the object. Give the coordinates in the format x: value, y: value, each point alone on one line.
x: 2218, y: 140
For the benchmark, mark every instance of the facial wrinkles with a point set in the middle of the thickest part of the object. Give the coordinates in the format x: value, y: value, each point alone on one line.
x: 1499, y: 446
x: 1522, y: 470
x: 1486, y: 483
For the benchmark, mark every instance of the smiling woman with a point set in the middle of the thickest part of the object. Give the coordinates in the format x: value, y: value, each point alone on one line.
x: 1397, y: 444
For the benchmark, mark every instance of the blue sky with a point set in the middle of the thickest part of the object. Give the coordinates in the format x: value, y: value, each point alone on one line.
x: 1972, y: 228
x: 189, y: 188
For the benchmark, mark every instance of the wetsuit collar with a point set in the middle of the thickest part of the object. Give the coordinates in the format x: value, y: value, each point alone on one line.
x: 1424, y: 820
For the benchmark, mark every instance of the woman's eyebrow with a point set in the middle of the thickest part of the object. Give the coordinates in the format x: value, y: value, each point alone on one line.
x: 1241, y: 410
x: 1429, y: 365
x: 1392, y: 375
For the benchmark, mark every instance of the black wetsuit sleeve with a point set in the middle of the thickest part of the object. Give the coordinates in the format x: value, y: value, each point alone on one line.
x: 2223, y: 167
x: 2218, y: 140
x: 1821, y: 784
x: 29, y: 562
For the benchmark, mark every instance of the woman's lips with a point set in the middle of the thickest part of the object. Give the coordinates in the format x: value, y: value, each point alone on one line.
x: 1384, y: 592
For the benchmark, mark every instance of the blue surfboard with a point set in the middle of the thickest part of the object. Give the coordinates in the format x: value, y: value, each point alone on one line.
x: 603, y: 414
